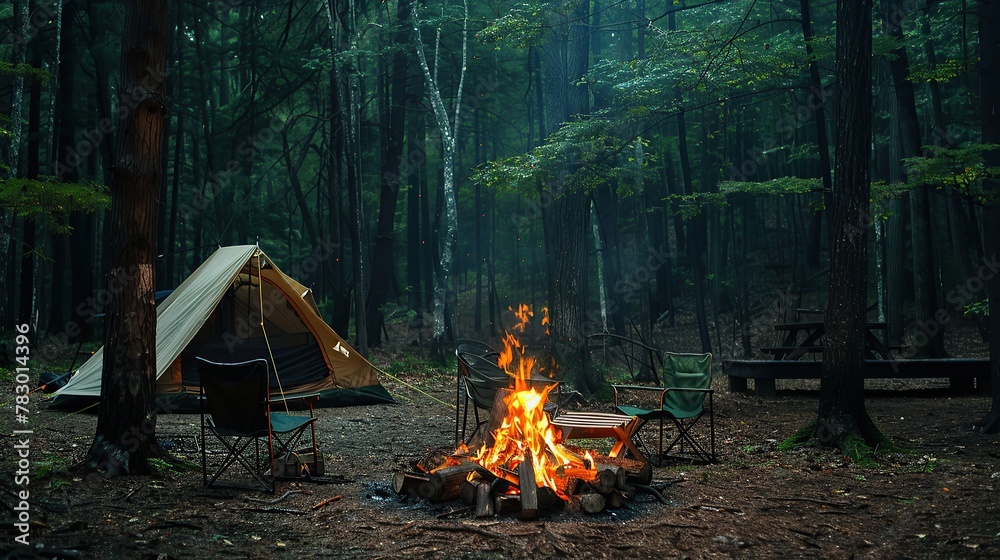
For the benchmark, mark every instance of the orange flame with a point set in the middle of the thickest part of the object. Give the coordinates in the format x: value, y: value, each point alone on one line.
x: 526, y: 426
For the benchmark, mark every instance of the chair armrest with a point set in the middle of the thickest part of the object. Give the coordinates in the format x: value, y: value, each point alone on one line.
x: 308, y: 398
x: 637, y: 388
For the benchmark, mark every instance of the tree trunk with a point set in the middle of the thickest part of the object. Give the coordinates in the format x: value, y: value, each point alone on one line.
x: 449, y: 145
x: 26, y: 300
x: 989, y: 95
x: 606, y: 211
x: 126, y: 422
x: 414, y: 162
x: 842, y: 414
x: 924, y: 270
x: 816, y: 103
x: 392, y: 158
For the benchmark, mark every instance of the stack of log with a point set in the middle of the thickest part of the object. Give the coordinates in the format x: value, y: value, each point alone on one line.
x: 609, y: 486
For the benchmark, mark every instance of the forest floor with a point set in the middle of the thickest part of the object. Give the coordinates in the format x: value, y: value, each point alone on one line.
x: 939, y: 500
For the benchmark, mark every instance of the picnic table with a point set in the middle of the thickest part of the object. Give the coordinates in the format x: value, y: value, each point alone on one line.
x: 807, y: 338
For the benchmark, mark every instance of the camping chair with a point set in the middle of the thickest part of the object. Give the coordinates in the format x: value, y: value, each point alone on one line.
x: 474, y: 348
x: 481, y: 378
x: 236, y: 399
x: 687, y: 380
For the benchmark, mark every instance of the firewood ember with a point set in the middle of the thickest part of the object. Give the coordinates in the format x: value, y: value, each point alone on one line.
x: 643, y: 476
x: 437, y: 459
x: 605, y: 481
x: 547, y: 498
x: 408, y: 483
x: 579, y: 473
x: 443, y: 485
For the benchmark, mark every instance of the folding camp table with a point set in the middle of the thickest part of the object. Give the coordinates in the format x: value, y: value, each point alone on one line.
x: 593, y: 425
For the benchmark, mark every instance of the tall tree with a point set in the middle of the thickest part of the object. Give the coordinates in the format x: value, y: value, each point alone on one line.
x: 989, y: 91
x: 126, y: 421
x: 565, y: 57
x: 449, y: 128
x: 842, y: 414
x: 394, y: 122
x: 925, y: 289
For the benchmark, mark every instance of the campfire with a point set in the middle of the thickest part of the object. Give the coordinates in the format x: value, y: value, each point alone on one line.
x: 523, y: 465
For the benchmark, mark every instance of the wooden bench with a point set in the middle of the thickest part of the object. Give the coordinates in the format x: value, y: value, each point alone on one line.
x: 779, y: 352
x: 964, y: 374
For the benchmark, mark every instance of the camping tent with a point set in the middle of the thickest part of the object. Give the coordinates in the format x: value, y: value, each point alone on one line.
x: 237, y: 306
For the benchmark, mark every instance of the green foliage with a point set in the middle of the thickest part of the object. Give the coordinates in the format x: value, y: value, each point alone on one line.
x: 800, y: 438
x: 962, y: 169
x: 49, y: 464
x: 980, y: 308
x: 48, y: 199
x: 943, y: 72
x: 580, y: 156
x: 783, y: 185
x: 690, y: 205
x: 28, y: 72
x: 518, y: 28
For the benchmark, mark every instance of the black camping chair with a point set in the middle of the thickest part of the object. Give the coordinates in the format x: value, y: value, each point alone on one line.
x: 481, y: 378
x: 236, y: 409
x: 473, y: 348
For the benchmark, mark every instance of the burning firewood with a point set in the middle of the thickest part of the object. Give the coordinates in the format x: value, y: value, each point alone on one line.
x: 443, y: 485
x: 522, y: 463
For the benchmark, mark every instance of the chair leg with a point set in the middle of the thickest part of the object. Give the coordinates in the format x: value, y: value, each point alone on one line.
x: 458, y: 397
x: 235, y: 455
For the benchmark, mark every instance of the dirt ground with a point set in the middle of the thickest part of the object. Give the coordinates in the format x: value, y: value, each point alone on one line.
x: 940, y: 501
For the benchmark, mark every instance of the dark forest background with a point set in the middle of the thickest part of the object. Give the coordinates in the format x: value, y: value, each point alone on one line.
x: 619, y: 163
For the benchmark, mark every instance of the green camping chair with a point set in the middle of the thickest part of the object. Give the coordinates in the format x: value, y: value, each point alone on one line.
x: 687, y: 380
x: 236, y: 409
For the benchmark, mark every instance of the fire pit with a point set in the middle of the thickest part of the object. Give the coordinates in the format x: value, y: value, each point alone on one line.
x: 524, y: 465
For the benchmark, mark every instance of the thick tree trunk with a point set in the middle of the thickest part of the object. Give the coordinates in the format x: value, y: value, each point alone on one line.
x: 842, y: 414
x: 989, y: 88
x: 126, y: 422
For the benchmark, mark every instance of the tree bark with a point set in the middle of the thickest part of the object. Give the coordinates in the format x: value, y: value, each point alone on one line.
x: 989, y: 91
x: 126, y: 421
x: 816, y: 103
x: 392, y: 159
x: 449, y: 145
x: 842, y: 413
